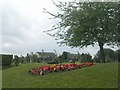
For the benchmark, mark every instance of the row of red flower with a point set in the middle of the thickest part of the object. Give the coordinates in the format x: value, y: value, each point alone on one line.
x: 58, y: 67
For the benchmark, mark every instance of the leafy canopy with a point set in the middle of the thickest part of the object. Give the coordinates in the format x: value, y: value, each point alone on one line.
x: 85, y: 23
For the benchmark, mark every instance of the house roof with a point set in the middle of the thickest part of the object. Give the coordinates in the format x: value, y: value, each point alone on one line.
x: 46, y: 54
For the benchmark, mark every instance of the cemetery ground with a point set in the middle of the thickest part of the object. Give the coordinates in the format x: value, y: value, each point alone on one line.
x: 97, y: 76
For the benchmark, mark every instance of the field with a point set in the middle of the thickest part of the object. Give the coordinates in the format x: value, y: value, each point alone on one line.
x: 97, y: 76
x: 0, y: 78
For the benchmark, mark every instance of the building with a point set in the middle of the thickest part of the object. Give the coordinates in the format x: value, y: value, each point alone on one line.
x: 71, y: 55
x: 46, y: 56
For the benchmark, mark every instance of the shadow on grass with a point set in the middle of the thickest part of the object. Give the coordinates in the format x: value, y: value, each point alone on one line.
x: 7, y: 67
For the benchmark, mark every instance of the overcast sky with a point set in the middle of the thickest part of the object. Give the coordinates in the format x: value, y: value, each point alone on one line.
x: 22, y: 25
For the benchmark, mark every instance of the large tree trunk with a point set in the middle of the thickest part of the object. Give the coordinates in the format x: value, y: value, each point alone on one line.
x: 102, y: 51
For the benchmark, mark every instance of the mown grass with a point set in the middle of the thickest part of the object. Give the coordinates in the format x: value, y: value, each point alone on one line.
x: 98, y: 76
x: 0, y: 77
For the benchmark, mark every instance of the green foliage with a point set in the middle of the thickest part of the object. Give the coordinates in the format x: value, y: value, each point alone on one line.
x: 32, y: 57
x: 110, y: 56
x: 64, y: 56
x: 0, y: 61
x: 27, y: 57
x: 16, y: 60
x: 78, y: 56
x: 86, y: 23
x: 82, y: 24
x: 118, y: 54
x: 86, y: 58
x: 6, y: 59
x: 60, y: 59
x: 21, y: 59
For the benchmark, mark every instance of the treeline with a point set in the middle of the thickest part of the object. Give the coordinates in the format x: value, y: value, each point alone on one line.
x: 110, y: 56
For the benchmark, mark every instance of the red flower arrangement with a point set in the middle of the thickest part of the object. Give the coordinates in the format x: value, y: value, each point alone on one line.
x: 42, y: 70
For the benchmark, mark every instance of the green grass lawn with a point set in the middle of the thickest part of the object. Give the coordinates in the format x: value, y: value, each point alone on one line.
x: 0, y: 78
x: 98, y: 76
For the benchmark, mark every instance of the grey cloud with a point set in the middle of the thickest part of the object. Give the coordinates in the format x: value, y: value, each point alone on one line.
x: 12, y: 23
x: 23, y: 33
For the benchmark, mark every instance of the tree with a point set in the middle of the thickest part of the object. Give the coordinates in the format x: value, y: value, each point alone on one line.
x: 28, y: 57
x: 16, y: 60
x: 33, y: 57
x: 86, y: 23
x: 21, y: 59
x: 60, y: 58
x: 78, y: 56
x: 110, y: 55
x: 65, y: 56
x: 118, y: 55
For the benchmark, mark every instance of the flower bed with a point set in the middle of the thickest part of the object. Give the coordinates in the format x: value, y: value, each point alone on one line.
x: 42, y: 70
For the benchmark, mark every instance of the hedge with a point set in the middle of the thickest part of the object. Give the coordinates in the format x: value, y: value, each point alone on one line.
x: 6, y: 59
x: 52, y: 62
x: 0, y: 59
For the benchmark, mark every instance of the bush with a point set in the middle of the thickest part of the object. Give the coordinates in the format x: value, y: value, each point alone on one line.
x: 0, y: 60
x: 86, y: 58
x: 16, y: 60
x: 6, y: 59
x: 52, y: 62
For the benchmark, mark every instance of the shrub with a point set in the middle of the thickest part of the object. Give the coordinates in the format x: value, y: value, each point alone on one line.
x: 16, y: 60
x: 0, y: 60
x: 52, y: 62
x: 6, y: 59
